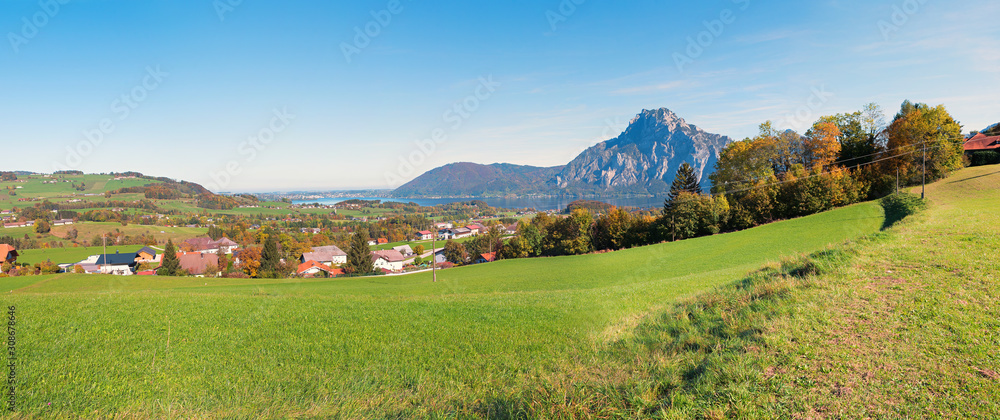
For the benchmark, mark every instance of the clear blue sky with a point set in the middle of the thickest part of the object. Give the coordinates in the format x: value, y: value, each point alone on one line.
x: 200, y: 78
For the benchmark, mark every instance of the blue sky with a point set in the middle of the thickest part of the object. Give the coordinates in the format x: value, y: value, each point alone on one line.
x: 261, y: 96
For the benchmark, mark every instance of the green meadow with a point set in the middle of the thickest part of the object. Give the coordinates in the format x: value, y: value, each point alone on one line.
x: 470, y: 345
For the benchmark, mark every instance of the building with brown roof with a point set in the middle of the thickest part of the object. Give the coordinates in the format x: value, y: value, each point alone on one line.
x: 390, y: 260
x: 8, y: 253
x: 197, y: 263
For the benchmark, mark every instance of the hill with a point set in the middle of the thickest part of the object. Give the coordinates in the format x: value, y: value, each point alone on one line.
x: 643, y: 160
x: 474, y: 180
x: 481, y: 342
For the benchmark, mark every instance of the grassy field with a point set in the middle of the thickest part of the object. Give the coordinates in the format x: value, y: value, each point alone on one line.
x: 69, y: 255
x: 477, y: 343
x: 35, y: 186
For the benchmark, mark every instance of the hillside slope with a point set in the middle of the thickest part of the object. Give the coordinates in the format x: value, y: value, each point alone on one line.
x: 469, y: 345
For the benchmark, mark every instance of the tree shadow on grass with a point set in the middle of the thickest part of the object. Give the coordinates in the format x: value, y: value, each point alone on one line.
x: 973, y: 177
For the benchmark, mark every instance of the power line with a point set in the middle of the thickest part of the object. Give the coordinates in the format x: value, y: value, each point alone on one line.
x: 748, y: 180
x: 824, y: 173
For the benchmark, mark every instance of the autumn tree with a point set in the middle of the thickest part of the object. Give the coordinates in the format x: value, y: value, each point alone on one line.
x: 611, y: 229
x: 250, y: 261
x: 569, y: 235
x: 821, y: 147
x: 42, y: 226
x: 919, y: 129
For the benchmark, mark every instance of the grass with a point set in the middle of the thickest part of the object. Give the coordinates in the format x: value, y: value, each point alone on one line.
x: 480, y: 342
x: 69, y: 255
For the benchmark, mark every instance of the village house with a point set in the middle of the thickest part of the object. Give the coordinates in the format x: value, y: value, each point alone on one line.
x: 511, y: 229
x: 311, y: 269
x: 441, y: 226
x: 207, y: 245
x: 372, y: 242
x: 62, y: 222
x: 389, y: 260
x: 328, y: 255
x: 198, y: 263
x: 485, y: 258
x: 403, y: 249
x: 118, y: 264
x: 383, y: 241
x: 8, y: 254
x: 424, y: 235
x: 981, y: 143
x: 146, y: 255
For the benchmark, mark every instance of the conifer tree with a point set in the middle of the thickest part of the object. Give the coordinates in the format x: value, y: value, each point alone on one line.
x: 170, y: 265
x: 359, y: 256
x: 684, y: 181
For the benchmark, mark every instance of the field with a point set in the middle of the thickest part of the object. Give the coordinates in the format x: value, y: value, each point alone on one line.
x: 69, y: 255
x: 35, y: 187
x: 470, y: 345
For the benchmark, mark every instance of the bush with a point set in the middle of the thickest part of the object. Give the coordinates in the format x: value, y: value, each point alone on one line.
x: 899, y: 206
x: 989, y: 157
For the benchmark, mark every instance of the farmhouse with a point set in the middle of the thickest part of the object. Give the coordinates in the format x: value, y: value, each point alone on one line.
x: 442, y: 226
x: 382, y: 241
x: 982, y: 143
x: 390, y: 260
x: 329, y: 255
x: 485, y: 258
x: 207, y: 245
x: 197, y: 263
x: 313, y: 268
x: 405, y: 250
x: 146, y: 255
x: 424, y: 235
x: 8, y: 254
x: 117, y: 263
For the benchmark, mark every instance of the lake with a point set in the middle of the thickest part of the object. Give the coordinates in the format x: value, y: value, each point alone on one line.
x: 537, y: 203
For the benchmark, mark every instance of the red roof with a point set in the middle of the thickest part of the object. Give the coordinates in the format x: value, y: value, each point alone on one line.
x: 195, y: 262
x: 489, y: 257
x: 424, y: 232
x: 382, y: 241
x: 147, y: 273
x: 981, y: 142
x: 6, y: 251
x: 313, y: 264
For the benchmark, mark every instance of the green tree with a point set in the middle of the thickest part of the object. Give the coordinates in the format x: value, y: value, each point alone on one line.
x: 455, y: 252
x: 42, y: 226
x: 684, y: 181
x: 919, y: 128
x: 359, y: 255
x: 570, y: 235
x: 270, y: 258
x: 611, y: 229
x: 169, y: 264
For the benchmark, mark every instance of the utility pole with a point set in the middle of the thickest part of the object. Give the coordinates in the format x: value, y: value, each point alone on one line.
x: 923, y: 177
x: 897, y: 181
x: 104, y: 240
x: 434, y: 273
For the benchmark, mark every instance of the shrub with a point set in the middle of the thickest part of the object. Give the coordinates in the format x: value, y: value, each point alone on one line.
x: 989, y: 157
x: 899, y: 206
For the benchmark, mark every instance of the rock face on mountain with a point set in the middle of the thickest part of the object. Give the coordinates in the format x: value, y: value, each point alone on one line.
x: 644, y: 158
x: 466, y: 179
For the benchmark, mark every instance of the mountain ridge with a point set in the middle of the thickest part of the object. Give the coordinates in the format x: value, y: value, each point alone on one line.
x: 642, y: 161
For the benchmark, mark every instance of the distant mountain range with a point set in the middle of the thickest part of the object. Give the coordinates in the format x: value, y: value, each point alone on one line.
x: 641, y: 161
